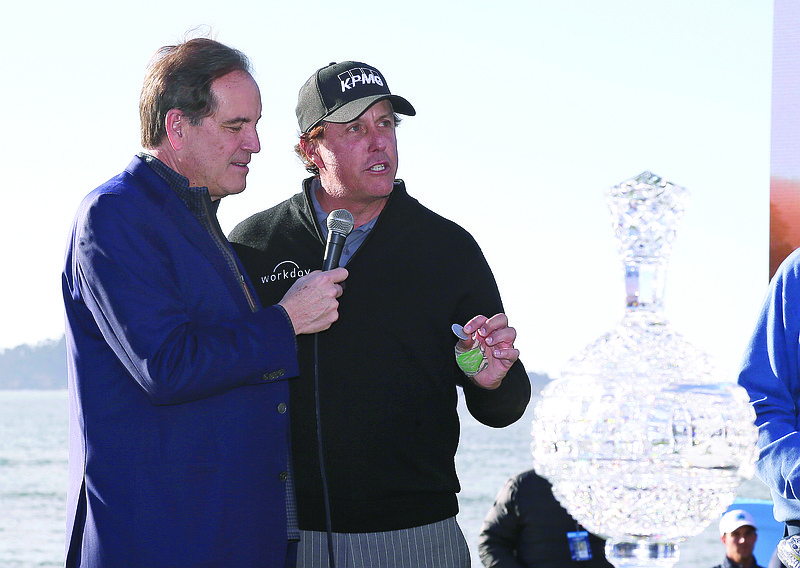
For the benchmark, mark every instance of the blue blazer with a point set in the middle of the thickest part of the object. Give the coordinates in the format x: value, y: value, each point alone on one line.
x: 178, y: 391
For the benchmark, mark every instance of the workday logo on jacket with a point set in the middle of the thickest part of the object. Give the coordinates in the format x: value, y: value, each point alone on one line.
x: 283, y: 271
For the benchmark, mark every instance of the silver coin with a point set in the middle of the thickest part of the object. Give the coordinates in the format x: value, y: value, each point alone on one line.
x: 459, y: 331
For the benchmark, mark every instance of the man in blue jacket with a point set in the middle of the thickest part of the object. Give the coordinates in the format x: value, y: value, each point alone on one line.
x: 177, y: 378
x: 771, y: 374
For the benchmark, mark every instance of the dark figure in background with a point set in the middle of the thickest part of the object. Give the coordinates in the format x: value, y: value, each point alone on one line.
x: 178, y: 451
x: 387, y: 369
x: 527, y: 527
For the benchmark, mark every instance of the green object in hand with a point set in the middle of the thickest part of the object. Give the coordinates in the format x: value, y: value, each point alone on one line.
x: 470, y: 361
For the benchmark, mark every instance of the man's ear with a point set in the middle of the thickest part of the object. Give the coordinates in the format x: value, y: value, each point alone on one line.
x: 310, y: 148
x: 175, y: 124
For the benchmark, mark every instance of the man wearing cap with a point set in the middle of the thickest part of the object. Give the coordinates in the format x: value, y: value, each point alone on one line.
x: 737, y: 531
x: 386, y: 370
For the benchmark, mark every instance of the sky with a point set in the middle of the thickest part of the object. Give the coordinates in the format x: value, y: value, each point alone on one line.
x: 526, y: 112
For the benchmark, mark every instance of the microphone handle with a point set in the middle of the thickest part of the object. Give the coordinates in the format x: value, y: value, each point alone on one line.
x: 333, y: 250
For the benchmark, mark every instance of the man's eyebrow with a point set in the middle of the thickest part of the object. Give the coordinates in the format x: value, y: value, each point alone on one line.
x: 384, y: 116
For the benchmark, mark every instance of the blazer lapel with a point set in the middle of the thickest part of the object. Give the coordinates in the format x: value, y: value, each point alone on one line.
x: 177, y: 211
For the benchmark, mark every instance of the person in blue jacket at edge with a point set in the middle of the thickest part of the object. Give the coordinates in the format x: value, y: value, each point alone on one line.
x: 771, y: 375
x: 178, y: 383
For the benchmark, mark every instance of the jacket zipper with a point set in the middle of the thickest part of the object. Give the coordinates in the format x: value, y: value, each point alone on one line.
x: 224, y: 246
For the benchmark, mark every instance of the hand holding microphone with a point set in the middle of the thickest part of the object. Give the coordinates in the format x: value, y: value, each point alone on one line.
x: 311, y: 302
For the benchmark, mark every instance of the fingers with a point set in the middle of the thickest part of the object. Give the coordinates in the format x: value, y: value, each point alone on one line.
x: 474, y: 324
x: 498, y: 339
x: 508, y: 355
x: 337, y: 274
x: 494, y: 332
x: 311, y: 302
x: 500, y: 361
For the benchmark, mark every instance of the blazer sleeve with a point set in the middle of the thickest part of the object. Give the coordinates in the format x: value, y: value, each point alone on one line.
x: 180, y: 336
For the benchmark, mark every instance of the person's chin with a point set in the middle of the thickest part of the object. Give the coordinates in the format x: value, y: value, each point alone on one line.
x: 384, y: 188
x: 227, y: 191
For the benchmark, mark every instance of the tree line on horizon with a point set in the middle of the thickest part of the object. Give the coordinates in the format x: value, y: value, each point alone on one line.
x: 40, y: 367
x: 44, y: 367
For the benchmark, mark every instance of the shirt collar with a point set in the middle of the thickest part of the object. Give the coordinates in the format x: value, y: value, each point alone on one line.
x: 193, y: 197
x: 322, y: 216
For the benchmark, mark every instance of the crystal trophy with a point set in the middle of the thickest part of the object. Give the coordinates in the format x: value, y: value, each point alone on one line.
x: 642, y: 442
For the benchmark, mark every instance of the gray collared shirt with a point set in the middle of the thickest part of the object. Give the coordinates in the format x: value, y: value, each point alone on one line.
x: 356, y: 236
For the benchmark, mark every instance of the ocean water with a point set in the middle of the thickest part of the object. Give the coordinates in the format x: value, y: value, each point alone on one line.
x: 33, y: 473
x: 33, y: 477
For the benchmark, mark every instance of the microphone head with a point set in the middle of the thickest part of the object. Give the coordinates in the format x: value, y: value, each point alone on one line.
x: 341, y: 221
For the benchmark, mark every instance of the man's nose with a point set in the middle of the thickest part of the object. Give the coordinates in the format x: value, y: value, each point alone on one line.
x: 378, y: 140
x: 251, y: 143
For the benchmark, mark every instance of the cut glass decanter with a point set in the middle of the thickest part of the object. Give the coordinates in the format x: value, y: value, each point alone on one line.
x: 644, y: 444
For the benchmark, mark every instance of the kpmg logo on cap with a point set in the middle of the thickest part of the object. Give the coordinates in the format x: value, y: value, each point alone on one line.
x: 359, y: 76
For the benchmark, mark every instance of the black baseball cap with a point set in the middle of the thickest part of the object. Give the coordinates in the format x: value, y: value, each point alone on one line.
x: 341, y: 92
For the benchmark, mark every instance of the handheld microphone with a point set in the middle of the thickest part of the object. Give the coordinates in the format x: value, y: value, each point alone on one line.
x: 340, y: 223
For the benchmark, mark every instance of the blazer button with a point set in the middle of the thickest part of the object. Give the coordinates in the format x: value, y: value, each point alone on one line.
x: 273, y: 375
x: 283, y: 476
x: 282, y: 407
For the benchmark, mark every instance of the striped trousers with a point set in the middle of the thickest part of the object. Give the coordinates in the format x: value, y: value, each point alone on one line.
x: 438, y: 545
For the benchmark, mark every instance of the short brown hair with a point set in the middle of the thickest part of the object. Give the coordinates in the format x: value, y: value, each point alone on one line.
x: 180, y: 76
x: 309, y: 136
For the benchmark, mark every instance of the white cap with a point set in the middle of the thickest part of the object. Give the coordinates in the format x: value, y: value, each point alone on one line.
x: 732, y: 520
